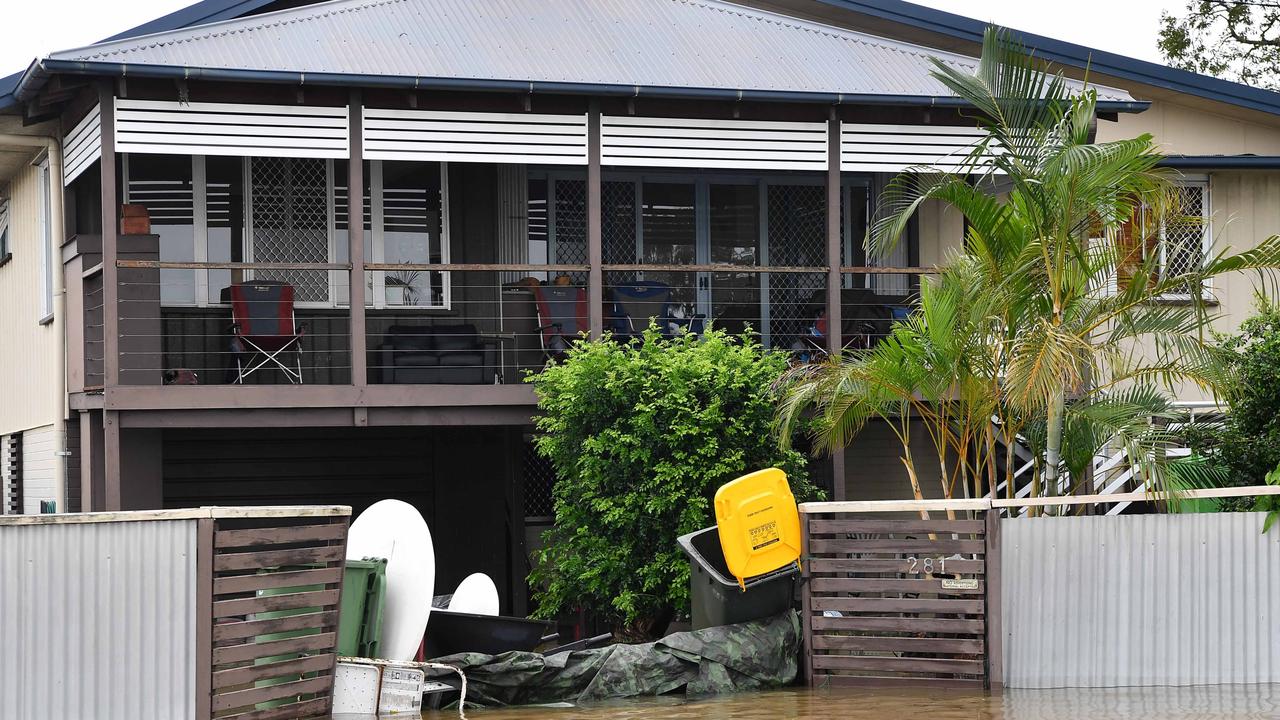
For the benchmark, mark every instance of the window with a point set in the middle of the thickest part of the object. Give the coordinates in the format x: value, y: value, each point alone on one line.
x: 45, y: 238
x: 164, y: 185
x: 1184, y: 240
x: 1179, y: 244
x: 411, y: 231
x: 5, y: 253
x: 293, y: 210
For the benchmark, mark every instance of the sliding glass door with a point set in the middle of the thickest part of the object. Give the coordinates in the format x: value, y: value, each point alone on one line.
x: 733, y: 237
x: 672, y: 221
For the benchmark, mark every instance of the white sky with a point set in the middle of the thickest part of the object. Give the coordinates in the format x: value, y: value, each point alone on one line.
x: 1128, y: 27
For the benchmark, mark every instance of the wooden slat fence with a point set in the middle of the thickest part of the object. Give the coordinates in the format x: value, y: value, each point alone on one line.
x: 270, y: 589
x: 896, y: 601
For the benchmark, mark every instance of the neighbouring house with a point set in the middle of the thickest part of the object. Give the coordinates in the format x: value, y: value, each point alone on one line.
x: 33, y: 440
x: 243, y: 326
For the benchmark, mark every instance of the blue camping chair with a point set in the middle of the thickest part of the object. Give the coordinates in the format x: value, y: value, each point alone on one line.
x: 635, y: 304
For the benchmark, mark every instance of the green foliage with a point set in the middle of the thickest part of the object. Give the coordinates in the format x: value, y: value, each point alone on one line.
x: 1020, y: 325
x: 1230, y: 39
x: 1270, y: 504
x: 1245, y: 448
x: 641, y: 435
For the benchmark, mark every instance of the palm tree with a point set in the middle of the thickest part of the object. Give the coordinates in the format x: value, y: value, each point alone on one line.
x: 1040, y: 320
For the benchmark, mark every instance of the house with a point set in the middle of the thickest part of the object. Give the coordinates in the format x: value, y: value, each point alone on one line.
x: 255, y: 331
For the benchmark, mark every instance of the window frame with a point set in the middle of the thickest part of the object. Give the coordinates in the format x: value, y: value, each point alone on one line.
x: 6, y: 252
x: 44, y: 232
x: 375, y: 299
x: 1206, y: 236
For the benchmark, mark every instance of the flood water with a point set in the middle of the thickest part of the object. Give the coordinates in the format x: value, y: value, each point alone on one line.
x: 1165, y: 703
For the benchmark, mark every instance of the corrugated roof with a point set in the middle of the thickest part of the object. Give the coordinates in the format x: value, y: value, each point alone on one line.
x: 205, y: 11
x: 702, y: 44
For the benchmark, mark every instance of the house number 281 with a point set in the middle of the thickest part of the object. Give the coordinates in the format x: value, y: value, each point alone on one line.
x: 927, y: 565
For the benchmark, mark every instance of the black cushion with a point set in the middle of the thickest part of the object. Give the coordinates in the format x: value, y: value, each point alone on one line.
x: 457, y: 359
x: 410, y: 337
x: 417, y: 359
x: 456, y: 337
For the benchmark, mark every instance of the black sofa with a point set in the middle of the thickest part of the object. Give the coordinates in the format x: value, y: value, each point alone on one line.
x: 437, y: 355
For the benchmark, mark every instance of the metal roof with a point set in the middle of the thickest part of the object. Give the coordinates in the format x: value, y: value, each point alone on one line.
x: 201, y: 12
x: 679, y: 45
x: 1070, y: 54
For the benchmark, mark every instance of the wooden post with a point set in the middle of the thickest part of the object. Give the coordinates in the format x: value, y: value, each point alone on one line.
x: 835, y: 343
x: 995, y: 630
x: 355, y: 240
x: 837, y: 475
x: 204, y: 619
x: 806, y: 605
x: 835, y: 339
x: 113, y: 495
x: 595, y: 243
x: 110, y: 235
x: 92, y: 465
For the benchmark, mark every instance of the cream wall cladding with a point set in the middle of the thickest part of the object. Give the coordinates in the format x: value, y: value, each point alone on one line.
x: 1182, y: 130
x: 40, y: 470
x: 28, y: 351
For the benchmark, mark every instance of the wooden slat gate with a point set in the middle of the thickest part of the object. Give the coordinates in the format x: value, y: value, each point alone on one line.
x: 269, y: 589
x: 894, y: 600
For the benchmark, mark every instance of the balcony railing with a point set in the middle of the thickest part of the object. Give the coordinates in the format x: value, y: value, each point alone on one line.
x: 453, y: 324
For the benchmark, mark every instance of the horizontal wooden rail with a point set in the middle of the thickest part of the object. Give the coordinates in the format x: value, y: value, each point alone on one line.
x: 264, y: 511
x: 877, y: 270
x: 714, y: 267
x: 475, y: 267
x: 522, y: 267
x: 1205, y: 494
x: 873, y: 506
x: 169, y: 265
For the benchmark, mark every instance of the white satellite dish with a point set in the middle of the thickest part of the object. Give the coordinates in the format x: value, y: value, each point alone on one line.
x: 476, y: 594
x: 395, y: 530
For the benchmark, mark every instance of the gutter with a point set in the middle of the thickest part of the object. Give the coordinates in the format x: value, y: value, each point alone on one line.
x: 1222, y: 162
x: 57, y: 232
x: 80, y: 67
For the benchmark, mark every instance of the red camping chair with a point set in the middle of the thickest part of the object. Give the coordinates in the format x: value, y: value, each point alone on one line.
x: 562, y: 317
x: 264, y: 330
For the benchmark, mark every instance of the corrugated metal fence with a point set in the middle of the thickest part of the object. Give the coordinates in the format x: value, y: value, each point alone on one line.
x: 170, y: 614
x: 97, y: 620
x: 1138, y: 600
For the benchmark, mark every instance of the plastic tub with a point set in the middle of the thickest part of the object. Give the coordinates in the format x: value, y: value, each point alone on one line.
x: 715, y: 596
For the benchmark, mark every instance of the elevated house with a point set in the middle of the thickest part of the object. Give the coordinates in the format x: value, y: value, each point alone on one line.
x: 524, y: 168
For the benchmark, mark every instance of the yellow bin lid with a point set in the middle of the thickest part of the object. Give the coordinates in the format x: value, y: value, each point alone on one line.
x: 759, y: 524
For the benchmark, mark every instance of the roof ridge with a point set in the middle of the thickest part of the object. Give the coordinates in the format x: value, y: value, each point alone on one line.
x: 218, y: 28
x: 824, y: 29
x: 321, y: 10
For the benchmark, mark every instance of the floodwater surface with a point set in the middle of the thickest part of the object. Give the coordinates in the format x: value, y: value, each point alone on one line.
x: 1165, y: 703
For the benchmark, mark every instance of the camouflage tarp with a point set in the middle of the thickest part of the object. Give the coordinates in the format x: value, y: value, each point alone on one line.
x: 748, y: 656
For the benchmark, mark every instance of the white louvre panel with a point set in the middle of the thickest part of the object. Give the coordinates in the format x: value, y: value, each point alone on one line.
x: 894, y: 148
x: 82, y: 146
x: 676, y: 142
x: 475, y: 137
x: 147, y: 126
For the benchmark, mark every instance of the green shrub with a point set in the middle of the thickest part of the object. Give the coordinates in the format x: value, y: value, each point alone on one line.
x: 640, y: 436
x: 1247, y: 445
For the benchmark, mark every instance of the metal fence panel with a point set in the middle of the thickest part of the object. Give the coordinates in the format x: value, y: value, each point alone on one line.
x: 1140, y: 600
x: 97, y: 620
